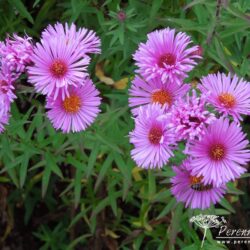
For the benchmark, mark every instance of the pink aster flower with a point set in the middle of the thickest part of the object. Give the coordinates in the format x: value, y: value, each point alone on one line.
x: 166, y: 54
x: 221, y: 153
x: 57, y: 66
x: 152, y: 138
x: 16, y: 52
x: 4, y: 112
x: 191, y: 190
x: 189, y: 117
x: 6, y: 83
x: 87, y: 40
x: 228, y: 94
x: 154, y: 91
x: 77, y: 111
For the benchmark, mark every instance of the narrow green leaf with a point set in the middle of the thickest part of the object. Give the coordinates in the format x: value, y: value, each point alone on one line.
x: 51, y: 163
x: 167, y: 209
x: 154, y: 9
x: 24, y: 168
x: 104, y: 168
x: 92, y: 159
x: 45, y: 180
x: 227, y: 205
x: 151, y: 184
x: 77, y: 186
x: 18, y: 4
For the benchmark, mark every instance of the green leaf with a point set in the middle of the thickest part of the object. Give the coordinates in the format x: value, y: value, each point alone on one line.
x: 233, y: 190
x: 51, y: 163
x: 36, y: 3
x: 104, y: 203
x: 151, y: 184
x: 24, y: 168
x: 18, y: 4
x: 92, y: 159
x: 227, y: 205
x: 126, y: 170
x: 154, y: 9
x: 171, y: 204
x: 104, y: 168
x: 45, y: 180
x: 77, y: 186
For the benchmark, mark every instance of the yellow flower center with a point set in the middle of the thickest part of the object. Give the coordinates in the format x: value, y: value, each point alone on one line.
x: 72, y: 104
x: 217, y: 152
x: 58, y: 68
x: 227, y: 100
x: 162, y: 97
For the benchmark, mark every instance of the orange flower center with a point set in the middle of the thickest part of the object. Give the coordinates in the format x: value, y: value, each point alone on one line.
x: 155, y: 135
x: 195, y: 179
x: 227, y: 100
x: 58, y: 68
x: 197, y: 185
x: 162, y: 97
x: 217, y: 152
x: 168, y: 59
x: 72, y: 104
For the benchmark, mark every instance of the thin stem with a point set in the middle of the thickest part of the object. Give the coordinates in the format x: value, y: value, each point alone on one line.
x: 204, y: 236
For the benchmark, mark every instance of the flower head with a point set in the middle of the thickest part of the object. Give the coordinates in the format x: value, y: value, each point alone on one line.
x: 189, y: 117
x: 121, y: 16
x: 166, y: 54
x: 61, y: 60
x: 4, y: 112
x: 228, y: 94
x: 191, y: 189
x: 57, y: 66
x: 152, y: 138
x: 221, y: 153
x: 144, y: 92
x: 16, y: 52
x: 77, y: 111
x: 6, y: 83
x: 86, y: 40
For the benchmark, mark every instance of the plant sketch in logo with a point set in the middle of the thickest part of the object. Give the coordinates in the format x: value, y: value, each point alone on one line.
x: 207, y: 221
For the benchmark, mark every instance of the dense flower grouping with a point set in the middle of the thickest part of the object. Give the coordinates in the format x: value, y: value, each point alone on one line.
x: 166, y: 110
x: 206, y: 119
x: 57, y: 67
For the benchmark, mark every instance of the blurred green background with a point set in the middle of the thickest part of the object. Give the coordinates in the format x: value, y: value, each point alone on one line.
x: 83, y: 191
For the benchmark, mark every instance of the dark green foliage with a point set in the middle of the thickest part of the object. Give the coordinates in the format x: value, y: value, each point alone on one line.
x: 83, y: 191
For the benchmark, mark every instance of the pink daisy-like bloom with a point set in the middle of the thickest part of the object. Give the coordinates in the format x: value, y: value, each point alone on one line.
x: 4, y: 112
x: 152, y: 139
x: 6, y: 83
x: 16, y: 52
x: 60, y: 61
x: 77, y: 111
x: 144, y: 92
x: 87, y: 40
x: 221, y: 153
x: 191, y: 190
x: 228, y: 94
x: 166, y: 54
x: 189, y: 117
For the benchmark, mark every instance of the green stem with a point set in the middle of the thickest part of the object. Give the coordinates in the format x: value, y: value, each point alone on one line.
x: 204, y: 236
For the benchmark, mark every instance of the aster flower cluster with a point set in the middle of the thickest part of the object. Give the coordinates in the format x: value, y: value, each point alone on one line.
x: 15, y: 54
x: 57, y: 67
x: 206, y: 119
x: 59, y: 71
